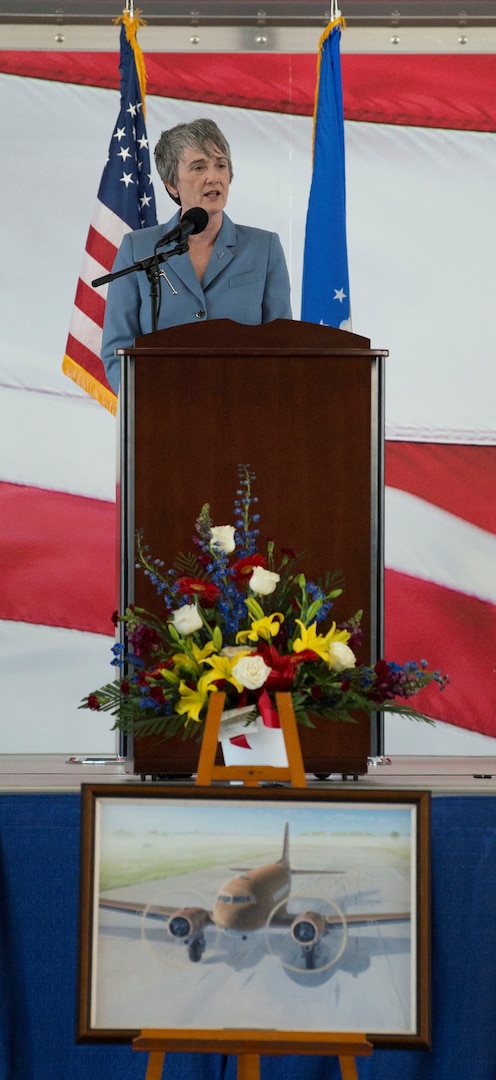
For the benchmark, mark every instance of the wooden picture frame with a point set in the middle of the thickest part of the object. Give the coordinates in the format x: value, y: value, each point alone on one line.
x: 293, y: 913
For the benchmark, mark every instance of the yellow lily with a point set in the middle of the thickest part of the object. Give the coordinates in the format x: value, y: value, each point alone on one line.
x: 193, y: 658
x: 267, y: 628
x: 318, y: 643
x: 222, y: 668
x: 193, y: 700
x: 337, y: 635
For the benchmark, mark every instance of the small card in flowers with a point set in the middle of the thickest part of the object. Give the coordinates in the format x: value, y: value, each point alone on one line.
x: 238, y: 722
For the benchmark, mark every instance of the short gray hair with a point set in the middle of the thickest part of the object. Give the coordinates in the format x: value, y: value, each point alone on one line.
x: 201, y: 135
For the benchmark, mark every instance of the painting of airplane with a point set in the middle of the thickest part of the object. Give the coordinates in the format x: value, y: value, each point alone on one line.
x: 209, y: 912
x: 253, y: 900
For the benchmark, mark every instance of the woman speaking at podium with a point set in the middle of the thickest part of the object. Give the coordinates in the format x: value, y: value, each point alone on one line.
x: 224, y: 271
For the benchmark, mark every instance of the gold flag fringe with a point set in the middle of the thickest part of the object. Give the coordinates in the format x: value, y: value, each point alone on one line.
x: 91, y: 385
x: 132, y: 24
x: 339, y: 21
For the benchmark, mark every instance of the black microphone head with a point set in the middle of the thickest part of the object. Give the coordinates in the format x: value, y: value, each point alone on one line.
x: 198, y: 217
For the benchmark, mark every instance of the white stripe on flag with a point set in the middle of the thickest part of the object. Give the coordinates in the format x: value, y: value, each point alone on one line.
x: 431, y: 544
x: 79, y: 455
x: 90, y: 270
x: 88, y: 332
x: 80, y: 660
x: 110, y: 225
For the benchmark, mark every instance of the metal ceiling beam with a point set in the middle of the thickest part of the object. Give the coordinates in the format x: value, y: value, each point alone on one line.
x: 284, y: 13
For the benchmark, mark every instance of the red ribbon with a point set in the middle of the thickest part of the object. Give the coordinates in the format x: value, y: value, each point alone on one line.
x: 269, y: 715
x: 270, y: 719
x: 240, y: 740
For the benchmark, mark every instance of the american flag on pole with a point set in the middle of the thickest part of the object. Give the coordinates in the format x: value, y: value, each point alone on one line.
x: 125, y: 202
x: 325, y: 287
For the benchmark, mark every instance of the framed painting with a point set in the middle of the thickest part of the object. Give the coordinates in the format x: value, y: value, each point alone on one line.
x: 298, y: 913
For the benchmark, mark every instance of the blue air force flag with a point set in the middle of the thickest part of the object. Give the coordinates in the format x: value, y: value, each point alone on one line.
x: 325, y: 288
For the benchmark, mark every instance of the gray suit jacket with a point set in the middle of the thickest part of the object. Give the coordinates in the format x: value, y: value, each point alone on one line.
x: 246, y: 280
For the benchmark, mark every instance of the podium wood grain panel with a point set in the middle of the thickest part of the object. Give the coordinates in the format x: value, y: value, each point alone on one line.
x: 294, y: 401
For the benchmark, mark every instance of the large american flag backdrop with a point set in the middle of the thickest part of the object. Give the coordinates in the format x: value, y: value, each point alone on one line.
x: 420, y: 162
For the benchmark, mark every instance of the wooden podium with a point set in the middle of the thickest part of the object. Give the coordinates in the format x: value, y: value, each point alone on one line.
x: 303, y: 406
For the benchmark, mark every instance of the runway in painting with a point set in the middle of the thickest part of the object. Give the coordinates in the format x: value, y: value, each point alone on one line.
x: 216, y: 915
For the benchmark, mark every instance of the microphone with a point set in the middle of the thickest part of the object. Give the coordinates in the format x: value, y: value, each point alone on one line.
x: 193, y: 221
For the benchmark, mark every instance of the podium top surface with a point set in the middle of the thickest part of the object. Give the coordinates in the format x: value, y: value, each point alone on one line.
x: 224, y: 337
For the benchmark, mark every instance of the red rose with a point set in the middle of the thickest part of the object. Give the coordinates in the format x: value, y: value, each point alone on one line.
x: 93, y: 703
x: 385, y: 684
x: 157, y: 694
x: 144, y: 639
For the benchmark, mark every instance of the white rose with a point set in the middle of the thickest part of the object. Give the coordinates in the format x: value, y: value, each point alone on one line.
x: 263, y: 581
x: 187, y: 619
x: 251, y: 671
x: 341, y: 657
x: 223, y: 537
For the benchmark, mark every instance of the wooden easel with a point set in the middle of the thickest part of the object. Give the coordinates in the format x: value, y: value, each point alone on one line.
x: 251, y: 775
x: 249, y: 1045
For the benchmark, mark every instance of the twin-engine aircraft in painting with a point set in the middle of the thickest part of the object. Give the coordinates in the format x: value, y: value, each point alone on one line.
x: 257, y: 899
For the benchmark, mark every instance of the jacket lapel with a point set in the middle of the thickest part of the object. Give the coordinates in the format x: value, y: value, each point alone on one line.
x: 183, y: 268
x: 222, y: 253
x: 221, y: 256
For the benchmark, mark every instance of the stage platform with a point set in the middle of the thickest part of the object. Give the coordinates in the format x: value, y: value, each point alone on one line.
x: 440, y: 775
x: 39, y: 887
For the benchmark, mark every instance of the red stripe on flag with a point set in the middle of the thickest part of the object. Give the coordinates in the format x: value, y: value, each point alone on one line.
x: 455, y: 478
x: 87, y: 360
x: 57, y: 558
x: 88, y: 301
x: 57, y: 554
x: 100, y: 248
x: 443, y: 91
x: 455, y: 634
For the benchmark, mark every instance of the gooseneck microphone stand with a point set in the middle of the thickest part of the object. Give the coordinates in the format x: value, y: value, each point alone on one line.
x: 151, y: 268
x: 194, y: 220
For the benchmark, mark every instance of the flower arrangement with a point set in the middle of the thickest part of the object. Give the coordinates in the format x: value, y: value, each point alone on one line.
x: 250, y: 624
